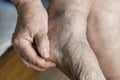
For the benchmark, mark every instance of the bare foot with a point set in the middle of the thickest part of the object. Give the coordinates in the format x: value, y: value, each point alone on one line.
x: 104, y: 36
x: 69, y: 46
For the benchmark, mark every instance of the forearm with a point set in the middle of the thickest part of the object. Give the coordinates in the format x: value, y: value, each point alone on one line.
x: 29, y: 4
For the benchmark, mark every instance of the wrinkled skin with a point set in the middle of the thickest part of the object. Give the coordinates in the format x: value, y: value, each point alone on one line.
x: 104, y: 36
x: 71, y: 49
x: 68, y: 42
x: 31, y: 29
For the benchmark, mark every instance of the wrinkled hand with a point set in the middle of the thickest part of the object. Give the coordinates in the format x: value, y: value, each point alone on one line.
x: 31, y: 29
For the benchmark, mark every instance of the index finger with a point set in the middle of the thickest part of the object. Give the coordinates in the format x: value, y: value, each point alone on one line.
x: 31, y: 55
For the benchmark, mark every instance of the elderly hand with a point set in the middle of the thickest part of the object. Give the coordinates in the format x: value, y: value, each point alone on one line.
x: 31, y: 29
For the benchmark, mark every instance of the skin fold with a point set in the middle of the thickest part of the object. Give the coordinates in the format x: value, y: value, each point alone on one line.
x: 104, y: 36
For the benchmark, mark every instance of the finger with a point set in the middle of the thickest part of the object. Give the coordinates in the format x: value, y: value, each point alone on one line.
x: 33, y: 66
x: 42, y: 44
x: 28, y: 53
x: 47, y: 64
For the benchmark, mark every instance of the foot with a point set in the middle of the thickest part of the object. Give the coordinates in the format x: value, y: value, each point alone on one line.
x: 103, y: 35
x: 69, y: 46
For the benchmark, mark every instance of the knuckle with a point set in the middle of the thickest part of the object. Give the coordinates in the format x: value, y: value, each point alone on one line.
x: 16, y: 41
x: 33, y: 61
x: 20, y: 42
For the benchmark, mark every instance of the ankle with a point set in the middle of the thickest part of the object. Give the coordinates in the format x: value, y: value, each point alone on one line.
x: 74, y: 6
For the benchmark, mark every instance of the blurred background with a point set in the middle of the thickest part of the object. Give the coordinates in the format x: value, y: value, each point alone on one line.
x: 8, y: 18
x: 11, y: 67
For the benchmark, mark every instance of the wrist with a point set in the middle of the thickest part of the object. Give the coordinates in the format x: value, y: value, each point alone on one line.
x: 29, y: 6
x: 18, y: 3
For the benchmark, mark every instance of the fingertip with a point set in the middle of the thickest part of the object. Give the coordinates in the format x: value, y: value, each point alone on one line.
x: 43, y: 47
x: 50, y: 64
x: 45, y: 54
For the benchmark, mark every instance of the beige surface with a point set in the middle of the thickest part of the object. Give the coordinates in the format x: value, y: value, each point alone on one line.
x: 11, y: 68
x: 52, y: 74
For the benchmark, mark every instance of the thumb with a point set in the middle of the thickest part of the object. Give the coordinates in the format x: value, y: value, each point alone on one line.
x: 42, y: 45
